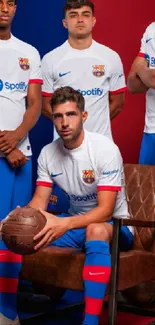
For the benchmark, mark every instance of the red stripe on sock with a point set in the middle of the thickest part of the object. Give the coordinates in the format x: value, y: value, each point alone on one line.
x: 97, y: 273
x: 7, y: 256
x: 8, y: 285
x: 93, y: 306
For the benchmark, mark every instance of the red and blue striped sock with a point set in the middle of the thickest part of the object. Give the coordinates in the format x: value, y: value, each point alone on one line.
x: 10, y: 266
x: 96, y: 275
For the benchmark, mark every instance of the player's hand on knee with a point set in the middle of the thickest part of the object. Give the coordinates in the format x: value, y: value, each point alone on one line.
x: 55, y: 227
x: 16, y: 158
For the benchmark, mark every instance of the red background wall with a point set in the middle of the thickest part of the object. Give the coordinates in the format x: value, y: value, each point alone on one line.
x: 120, y: 25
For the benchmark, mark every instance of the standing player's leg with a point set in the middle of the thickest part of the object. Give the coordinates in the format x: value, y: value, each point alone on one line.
x: 21, y: 196
x: 147, y: 151
x: 22, y: 192
x: 9, y: 263
x: 7, y: 175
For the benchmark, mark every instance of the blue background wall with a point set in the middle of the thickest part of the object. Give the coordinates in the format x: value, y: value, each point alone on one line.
x: 39, y: 23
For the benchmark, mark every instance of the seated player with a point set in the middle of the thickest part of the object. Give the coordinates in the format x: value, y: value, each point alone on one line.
x: 88, y: 167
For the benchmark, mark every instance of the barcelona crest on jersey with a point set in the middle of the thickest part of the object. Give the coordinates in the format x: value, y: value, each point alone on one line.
x: 98, y: 70
x: 88, y: 176
x: 24, y: 63
x: 53, y: 199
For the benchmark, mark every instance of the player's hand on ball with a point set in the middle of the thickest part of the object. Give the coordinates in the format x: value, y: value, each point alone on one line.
x: 55, y: 228
x: 8, y: 141
x: 16, y: 158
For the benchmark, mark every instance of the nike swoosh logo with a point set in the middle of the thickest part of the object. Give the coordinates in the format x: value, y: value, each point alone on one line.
x: 64, y: 74
x: 99, y: 273
x: 121, y: 75
x: 149, y: 39
x: 55, y: 175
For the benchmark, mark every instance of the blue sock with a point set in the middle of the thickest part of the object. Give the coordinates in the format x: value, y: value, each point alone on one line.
x: 96, y: 274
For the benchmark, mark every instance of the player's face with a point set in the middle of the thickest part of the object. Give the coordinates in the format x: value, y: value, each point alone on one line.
x: 68, y: 120
x: 79, y: 22
x: 7, y: 12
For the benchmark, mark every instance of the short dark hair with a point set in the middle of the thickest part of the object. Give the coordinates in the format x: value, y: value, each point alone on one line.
x: 75, y: 4
x: 68, y: 94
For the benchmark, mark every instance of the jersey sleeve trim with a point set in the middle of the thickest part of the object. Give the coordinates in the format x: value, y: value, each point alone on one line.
x: 109, y: 188
x: 46, y: 184
x: 36, y: 81
x: 45, y: 94
x: 121, y: 90
x: 142, y: 55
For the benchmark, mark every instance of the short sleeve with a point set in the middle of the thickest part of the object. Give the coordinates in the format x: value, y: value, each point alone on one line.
x: 110, y: 178
x: 35, y: 69
x: 44, y: 178
x: 117, y: 78
x: 47, y: 73
x: 143, y: 51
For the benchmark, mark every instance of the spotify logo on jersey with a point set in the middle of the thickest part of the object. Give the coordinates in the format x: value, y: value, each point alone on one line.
x: 1, y: 85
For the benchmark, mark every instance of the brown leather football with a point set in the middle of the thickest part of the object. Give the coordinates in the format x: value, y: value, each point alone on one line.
x: 19, y: 229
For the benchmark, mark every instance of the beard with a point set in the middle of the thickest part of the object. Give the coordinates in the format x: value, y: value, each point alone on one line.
x: 3, y: 27
x: 74, y: 136
x: 81, y: 35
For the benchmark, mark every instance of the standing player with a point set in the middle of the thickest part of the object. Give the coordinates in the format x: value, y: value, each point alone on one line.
x: 88, y: 167
x: 87, y: 66
x: 20, y: 77
x: 142, y: 79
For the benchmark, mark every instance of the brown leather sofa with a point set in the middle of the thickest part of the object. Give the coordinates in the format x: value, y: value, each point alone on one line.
x: 62, y: 267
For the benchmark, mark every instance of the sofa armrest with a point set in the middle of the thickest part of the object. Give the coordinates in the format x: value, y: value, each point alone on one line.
x: 138, y: 223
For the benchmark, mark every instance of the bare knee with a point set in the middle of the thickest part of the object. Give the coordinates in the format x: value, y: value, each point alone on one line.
x: 99, y: 231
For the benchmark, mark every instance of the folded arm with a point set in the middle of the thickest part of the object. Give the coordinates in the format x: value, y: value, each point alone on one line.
x: 135, y: 83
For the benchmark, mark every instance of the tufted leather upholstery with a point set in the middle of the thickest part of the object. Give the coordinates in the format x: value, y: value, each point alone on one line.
x: 63, y: 267
x: 140, y: 192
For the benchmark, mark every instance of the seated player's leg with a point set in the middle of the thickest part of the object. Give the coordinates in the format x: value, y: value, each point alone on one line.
x: 96, y: 273
x: 73, y: 238
x: 97, y: 268
x: 147, y: 151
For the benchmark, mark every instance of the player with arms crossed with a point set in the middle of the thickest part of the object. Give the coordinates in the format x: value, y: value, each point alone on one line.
x: 142, y: 80
x: 85, y: 65
x: 20, y: 78
x: 88, y: 167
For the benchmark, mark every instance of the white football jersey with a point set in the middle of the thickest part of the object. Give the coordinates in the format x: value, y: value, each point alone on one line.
x: 95, y: 72
x: 147, y: 50
x: 95, y: 166
x: 19, y: 66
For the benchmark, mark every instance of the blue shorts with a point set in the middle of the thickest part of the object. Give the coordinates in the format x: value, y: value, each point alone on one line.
x: 15, y: 186
x: 76, y: 238
x: 147, y: 151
